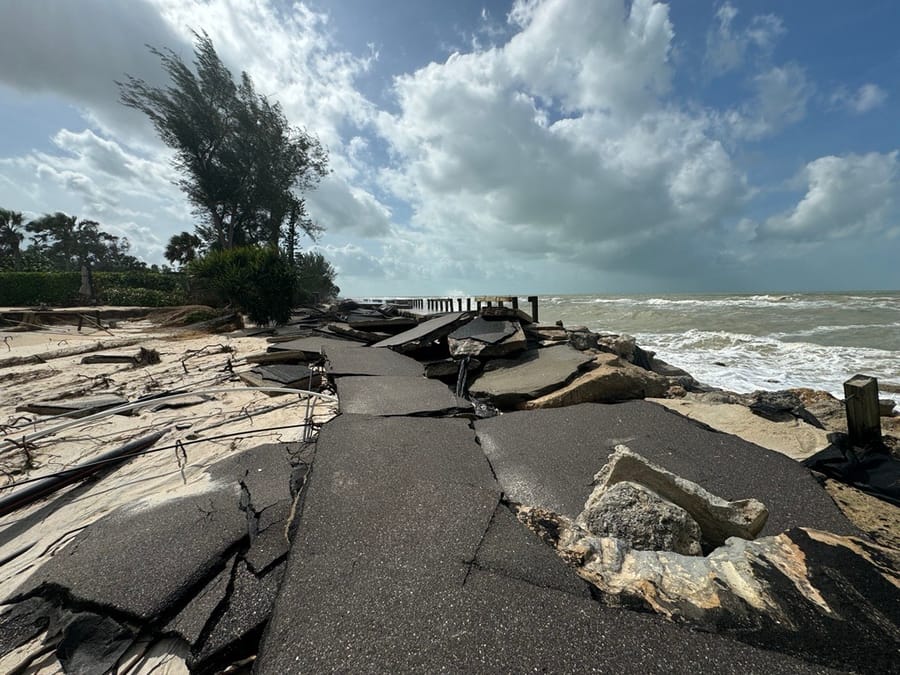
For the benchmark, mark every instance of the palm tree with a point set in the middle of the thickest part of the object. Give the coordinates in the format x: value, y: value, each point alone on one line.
x: 182, y: 248
x: 11, y: 236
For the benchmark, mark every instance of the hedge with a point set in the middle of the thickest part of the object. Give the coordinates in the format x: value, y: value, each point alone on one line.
x: 147, y: 289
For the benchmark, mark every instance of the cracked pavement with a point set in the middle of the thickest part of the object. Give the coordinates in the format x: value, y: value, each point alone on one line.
x: 392, y: 545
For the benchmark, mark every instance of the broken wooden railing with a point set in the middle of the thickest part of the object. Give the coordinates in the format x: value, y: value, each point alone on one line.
x: 433, y: 304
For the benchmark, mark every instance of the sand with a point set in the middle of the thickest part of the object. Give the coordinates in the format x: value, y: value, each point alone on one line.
x: 796, y: 439
x: 194, y: 363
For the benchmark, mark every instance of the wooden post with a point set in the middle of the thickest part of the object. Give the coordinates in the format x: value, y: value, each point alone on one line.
x: 459, y: 304
x: 861, y: 403
x: 533, y: 299
x: 515, y: 302
x: 478, y: 305
x: 468, y: 304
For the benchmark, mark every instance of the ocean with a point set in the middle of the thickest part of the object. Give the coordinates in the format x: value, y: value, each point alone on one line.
x: 747, y: 342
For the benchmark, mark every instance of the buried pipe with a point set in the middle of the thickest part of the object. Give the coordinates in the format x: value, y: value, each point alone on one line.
x: 50, y: 484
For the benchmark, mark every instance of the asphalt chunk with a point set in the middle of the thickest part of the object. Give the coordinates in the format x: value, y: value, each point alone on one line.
x: 397, y: 395
x: 178, y: 544
x: 509, y: 548
x: 372, y: 362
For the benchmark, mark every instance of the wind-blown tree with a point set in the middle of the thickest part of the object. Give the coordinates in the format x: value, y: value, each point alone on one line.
x: 242, y: 165
x: 11, y: 236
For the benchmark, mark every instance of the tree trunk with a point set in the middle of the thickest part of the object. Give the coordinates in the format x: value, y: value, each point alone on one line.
x: 219, y: 226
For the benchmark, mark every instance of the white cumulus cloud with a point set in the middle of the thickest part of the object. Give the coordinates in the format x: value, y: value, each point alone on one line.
x: 848, y: 196
x: 558, y: 147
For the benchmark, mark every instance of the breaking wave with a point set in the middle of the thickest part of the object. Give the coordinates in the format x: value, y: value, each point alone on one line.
x: 743, y: 363
x: 749, y: 342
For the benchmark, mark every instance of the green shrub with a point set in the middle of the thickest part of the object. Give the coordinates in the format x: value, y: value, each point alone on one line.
x: 147, y: 289
x: 256, y: 281
x: 39, y: 288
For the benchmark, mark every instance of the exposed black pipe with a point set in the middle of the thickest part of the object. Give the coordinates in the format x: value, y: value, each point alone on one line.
x: 45, y: 486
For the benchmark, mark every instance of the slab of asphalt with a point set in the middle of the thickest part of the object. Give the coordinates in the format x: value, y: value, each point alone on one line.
x: 395, y: 497
x: 511, y: 549
x: 315, y: 345
x: 190, y: 622
x: 425, y: 331
x: 179, y: 544
x: 380, y: 452
x: 372, y: 362
x: 548, y: 458
x: 485, y: 331
x: 397, y: 395
x: 244, y: 616
x: 262, y: 470
x: 397, y: 566
x: 535, y: 373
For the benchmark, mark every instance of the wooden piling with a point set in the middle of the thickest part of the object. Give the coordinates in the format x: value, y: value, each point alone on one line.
x: 533, y: 299
x: 861, y: 404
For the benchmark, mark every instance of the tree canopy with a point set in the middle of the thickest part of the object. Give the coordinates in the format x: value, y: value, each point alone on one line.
x: 183, y: 248
x: 61, y: 243
x: 315, y: 277
x: 11, y: 236
x: 241, y: 165
x: 66, y: 243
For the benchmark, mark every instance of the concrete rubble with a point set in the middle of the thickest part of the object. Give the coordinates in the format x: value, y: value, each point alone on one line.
x: 717, y: 518
x: 473, y: 506
x: 828, y: 598
x: 634, y: 513
x: 611, y: 380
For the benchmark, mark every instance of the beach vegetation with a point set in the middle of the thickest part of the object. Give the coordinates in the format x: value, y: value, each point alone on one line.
x: 11, y: 236
x: 255, y: 280
x: 315, y: 278
x: 138, y: 287
x: 64, y: 243
x: 183, y: 248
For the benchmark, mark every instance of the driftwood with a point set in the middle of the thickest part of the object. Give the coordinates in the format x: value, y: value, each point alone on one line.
x: 43, y: 357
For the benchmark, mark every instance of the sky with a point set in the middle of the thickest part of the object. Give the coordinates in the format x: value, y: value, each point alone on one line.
x: 497, y: 147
